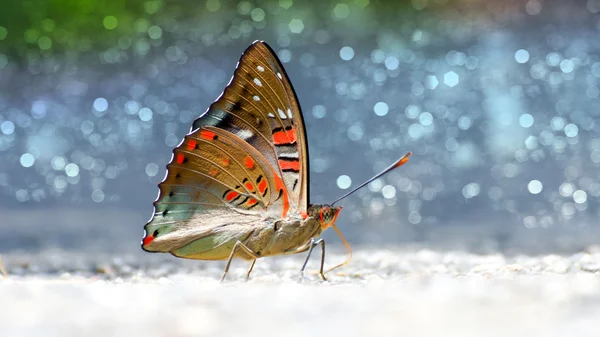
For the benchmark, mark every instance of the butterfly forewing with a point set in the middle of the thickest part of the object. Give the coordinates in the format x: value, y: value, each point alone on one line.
x: 259, y: 105
x: 244, y: 160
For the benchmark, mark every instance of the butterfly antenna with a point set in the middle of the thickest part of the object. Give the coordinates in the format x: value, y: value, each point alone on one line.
x: 398, y: 163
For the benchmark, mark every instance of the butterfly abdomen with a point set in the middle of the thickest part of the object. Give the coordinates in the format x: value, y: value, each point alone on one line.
x: 285, y: 236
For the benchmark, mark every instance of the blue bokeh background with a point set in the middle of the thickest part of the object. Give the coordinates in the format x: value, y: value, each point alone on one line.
x: 498, y: 101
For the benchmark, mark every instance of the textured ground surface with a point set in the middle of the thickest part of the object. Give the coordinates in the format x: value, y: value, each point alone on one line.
x: 410, y: 292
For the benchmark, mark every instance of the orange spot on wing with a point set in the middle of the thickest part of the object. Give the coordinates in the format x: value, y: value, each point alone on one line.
x: 284, y: 136
x: 148, y: 239
x: 249, y: 162
x: 252, y: 202
x: 249, y: 186
x: 280, y: 186
x: 304, y: 215
x: 262, y: 186
x: 179, y: 158
x: 213, y: 172
x: 231, y: 195
x: 192, y: 145
x: 208, y: 135
x: 225, y: 162
x: 289, y: 165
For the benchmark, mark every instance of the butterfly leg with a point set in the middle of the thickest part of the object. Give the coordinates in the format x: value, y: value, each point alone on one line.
x: 313, y: 244
x: 239, y: 245
x: 250, y: 269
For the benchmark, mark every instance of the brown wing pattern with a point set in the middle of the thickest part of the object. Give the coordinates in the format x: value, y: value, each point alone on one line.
x: 213, y: 168
x: 215, y: 181
x: 260, y: 106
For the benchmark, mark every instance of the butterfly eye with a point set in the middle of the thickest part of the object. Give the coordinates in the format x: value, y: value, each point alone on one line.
x: 323, y: 216
x: 326, y: 215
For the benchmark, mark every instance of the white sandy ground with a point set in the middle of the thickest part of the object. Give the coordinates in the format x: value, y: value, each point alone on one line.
x: 381, y: 293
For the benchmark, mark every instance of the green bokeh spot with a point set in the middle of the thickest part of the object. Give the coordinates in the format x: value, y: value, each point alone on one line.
x: 153, y: 6
x: 296, y: 26
x: 47, y: 25
x: 244, y: 7
x: 31, y: 36
x: 141, y: 25
x: 285, y: 3
x: 155, y: 32
x: 257, y: 14
x: 110, y: 22
x: 361, y: 3
x: 45, y: 43
x: 341, y: 11
x: 3, y: 33
x: 213, y: 5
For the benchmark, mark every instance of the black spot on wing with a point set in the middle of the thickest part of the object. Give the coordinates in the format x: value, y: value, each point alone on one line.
x: 277, y: 129
x: 236, y: 106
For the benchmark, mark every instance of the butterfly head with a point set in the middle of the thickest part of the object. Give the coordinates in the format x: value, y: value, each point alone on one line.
x: 325, y: 214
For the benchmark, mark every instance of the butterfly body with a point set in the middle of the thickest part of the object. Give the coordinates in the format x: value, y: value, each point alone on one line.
x: 265, y: 237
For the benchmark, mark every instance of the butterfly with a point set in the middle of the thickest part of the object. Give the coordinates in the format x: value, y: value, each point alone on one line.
x: 238, y: 183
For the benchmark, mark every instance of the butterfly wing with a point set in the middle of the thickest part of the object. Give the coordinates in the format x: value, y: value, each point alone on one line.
x: 244, y: 161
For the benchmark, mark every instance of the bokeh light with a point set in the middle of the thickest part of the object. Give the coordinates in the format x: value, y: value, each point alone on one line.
x: 498, y: 104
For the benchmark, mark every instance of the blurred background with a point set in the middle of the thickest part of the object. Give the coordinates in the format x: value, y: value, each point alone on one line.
x: 497, y: 100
